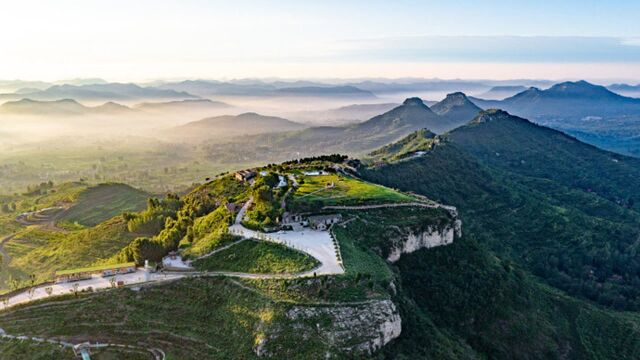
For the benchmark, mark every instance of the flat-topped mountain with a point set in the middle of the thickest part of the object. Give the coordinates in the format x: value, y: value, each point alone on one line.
x: 234, y: 125
x: 182, y: 105
x: 502, y: 91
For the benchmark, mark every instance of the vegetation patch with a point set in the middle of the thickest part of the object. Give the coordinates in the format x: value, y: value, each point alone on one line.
x: 189, y: 319
x: 39, y: 252
x: 315, y: 192
x: 102, y: 202
x: 258, y: 257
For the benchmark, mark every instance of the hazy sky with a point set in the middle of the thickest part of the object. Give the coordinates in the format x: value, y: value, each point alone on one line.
x: 141, y: 40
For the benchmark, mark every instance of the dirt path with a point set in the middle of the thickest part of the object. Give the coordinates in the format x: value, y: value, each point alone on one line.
x: 6, y: 259
x: 221, y: 249
x: 158, y: 354
x: 451, y: 209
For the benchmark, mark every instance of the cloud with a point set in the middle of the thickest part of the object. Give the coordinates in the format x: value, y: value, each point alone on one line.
x: 631, y: 41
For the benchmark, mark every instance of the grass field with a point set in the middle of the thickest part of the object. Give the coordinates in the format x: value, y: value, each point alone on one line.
x: 101, y: 202
x: 40, y: 251
x: 327, y: 190
x: 258, y: 257
x: 207, y: 318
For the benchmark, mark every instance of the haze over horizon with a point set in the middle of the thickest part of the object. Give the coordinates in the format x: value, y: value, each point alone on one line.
x: 146, y: 40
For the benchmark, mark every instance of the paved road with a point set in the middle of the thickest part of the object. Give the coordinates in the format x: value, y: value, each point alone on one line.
x: 243, y: 210
x: 318, y: 244
x: 96, y: 282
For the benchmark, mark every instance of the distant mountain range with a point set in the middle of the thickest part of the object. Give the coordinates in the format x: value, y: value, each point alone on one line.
x: 182, y: 106
x: 590, y: 112
x: 206, y: 88
x: 232, y: 126
x: 102, y: 92
x: 568, y: 99
x: 625, y: 89
x: 65, y: 107
x: 357, y: 138
x: 344, y: 115
x: 324, y: 91
x: 501, y: 92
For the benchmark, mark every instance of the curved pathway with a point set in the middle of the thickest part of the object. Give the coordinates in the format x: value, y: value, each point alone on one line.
x: 452, y: 209
x: 6, y: 259
x: 158, y: 354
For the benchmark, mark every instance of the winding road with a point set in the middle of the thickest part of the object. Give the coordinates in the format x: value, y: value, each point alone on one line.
x: 158, y: 354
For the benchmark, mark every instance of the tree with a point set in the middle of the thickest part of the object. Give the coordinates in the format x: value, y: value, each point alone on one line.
x: 14, y: 284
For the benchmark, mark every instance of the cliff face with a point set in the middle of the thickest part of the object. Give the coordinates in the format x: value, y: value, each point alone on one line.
x: 429, y: 238
x: 354, y: 330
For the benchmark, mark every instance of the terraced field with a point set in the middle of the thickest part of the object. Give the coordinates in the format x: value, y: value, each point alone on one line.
x: 101, y: 202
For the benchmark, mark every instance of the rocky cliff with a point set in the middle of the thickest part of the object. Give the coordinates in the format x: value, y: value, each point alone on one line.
x: 356, y: 330
x: 429, y: 238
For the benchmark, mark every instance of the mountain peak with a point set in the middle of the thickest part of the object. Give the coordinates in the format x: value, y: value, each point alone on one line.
x: 491, y: 115
x: 581, y: 87
x: 455, y: 99
x: 413, y: 101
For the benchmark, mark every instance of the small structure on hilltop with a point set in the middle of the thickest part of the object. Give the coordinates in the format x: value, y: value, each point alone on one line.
x: 323, y: 222
x: 174, y: 262
x: 245, y: 175
x: 282, y: 181
x: 293, y: 220
x: 314, y: 173
x: 82, y: 351
x: 86, y: 273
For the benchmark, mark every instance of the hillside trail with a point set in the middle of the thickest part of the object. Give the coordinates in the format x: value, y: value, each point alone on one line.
x: 47, y: 222
x: 6, y: 259
x: 452, y: 209
x: 158, y: 354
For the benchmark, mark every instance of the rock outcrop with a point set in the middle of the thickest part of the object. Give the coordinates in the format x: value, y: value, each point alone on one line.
x: 431, y: 237
x: 355, y: 330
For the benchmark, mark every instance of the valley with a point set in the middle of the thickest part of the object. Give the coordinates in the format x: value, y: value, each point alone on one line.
x: 445, y: 230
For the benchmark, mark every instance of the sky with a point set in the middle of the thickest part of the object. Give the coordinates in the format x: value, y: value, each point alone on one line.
x: 140, y: 40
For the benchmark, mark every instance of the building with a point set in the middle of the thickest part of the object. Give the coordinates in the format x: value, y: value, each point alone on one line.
x: 314, y: 173
x: 245, y: 175
x: 86, y: 273
x: 323, y: 222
